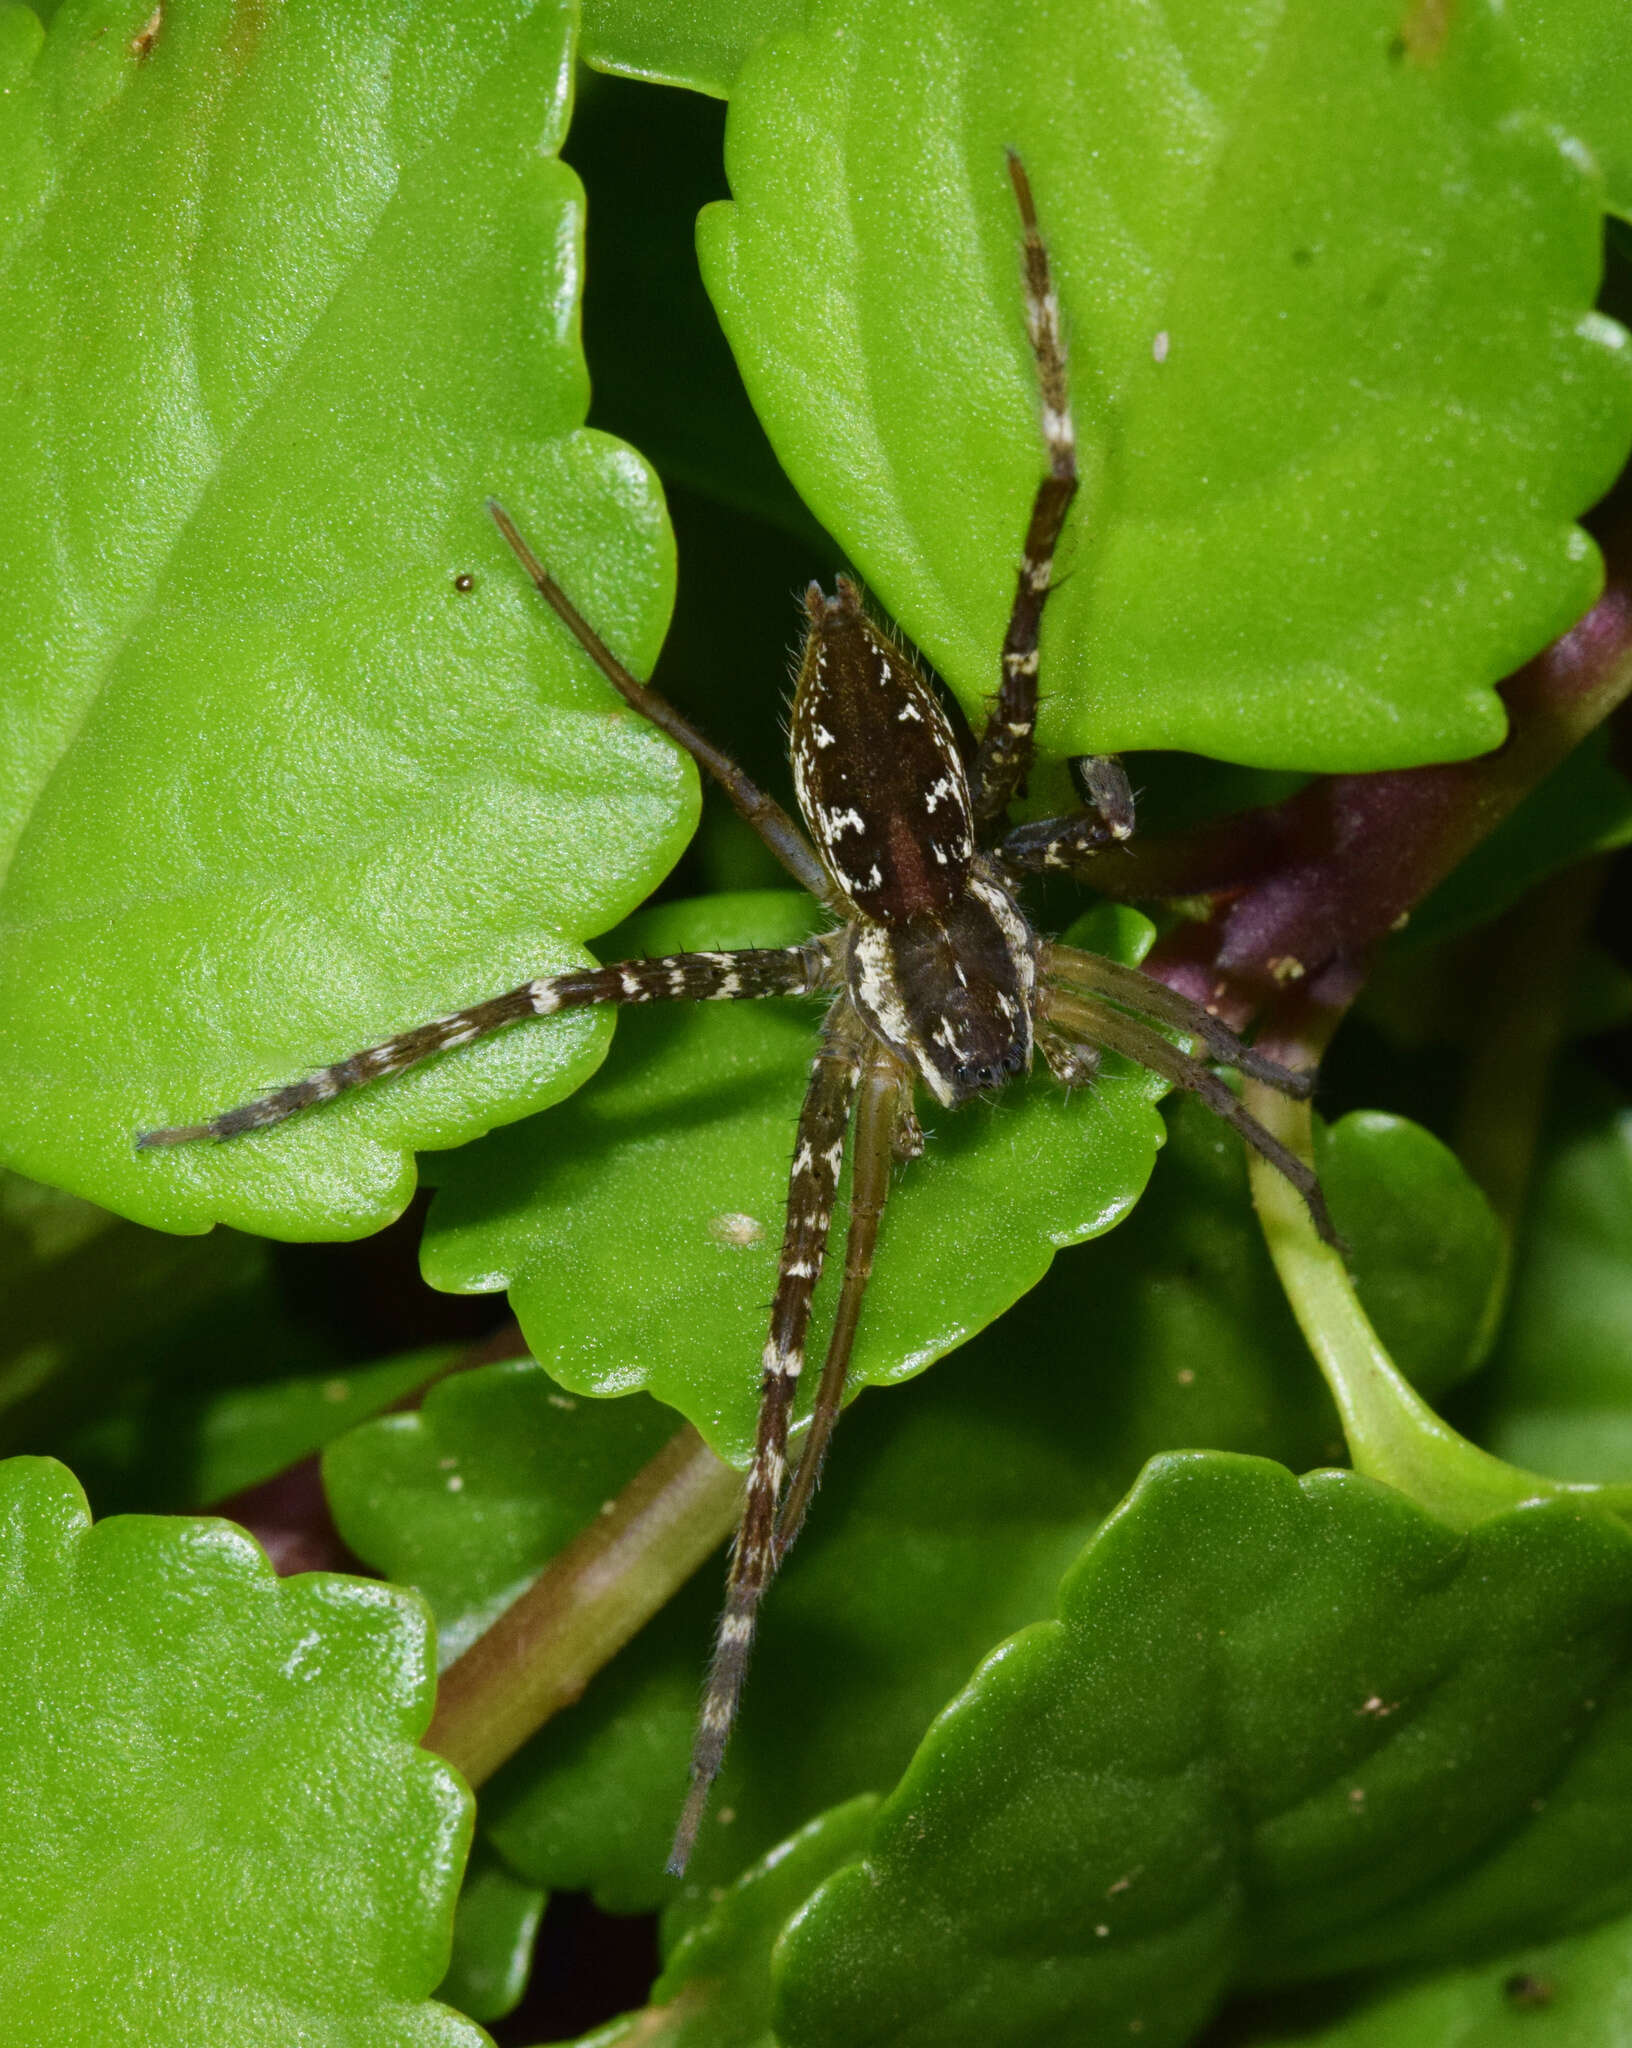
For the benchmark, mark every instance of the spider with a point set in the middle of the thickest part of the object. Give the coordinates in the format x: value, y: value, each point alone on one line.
x: 936, y: 977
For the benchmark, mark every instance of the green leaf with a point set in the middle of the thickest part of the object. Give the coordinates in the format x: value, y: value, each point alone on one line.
x: 1575, y: 1993
x: 167, y: 1371
x: 218, y: 1826
x: 1560, y: 1391
x: 277, y: 311
x: 1579, y: 55
x: 945, y: 1521
x: 92, y: 1302
x: 715, y: 1990
x: 703, y: 44
x: 946, y: 1517
x: 1281, y: 1729
x: 246, y: 1434
x: 494, y: 1928
x: 1337, y: 384
x: 638, y: 1230
x: 467, y: 1497
x: 1426, y: 1249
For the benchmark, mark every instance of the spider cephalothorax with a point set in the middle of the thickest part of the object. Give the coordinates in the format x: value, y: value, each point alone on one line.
x: 935, y: 974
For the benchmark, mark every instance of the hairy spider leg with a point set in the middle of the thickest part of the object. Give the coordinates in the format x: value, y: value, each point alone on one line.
x: 1069, y: 840
x: 674, y: 978
x: 1085, y: 1017
x: 1097, y: 975
x: 1004, y: 757
x: 1054, y: 845
x: 812, y: 1180
x: 759, y: 810
x: 884, y: 1125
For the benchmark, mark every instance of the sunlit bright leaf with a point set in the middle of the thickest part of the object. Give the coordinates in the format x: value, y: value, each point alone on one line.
x: 283, y: 297
x: 1327, y: 273
x: 218, y: 1826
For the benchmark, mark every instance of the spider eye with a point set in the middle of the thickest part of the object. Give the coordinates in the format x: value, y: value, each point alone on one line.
x: 976, y: 1074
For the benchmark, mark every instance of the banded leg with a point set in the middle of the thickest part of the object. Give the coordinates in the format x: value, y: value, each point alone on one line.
x: 813, y: 1177
x: 1053, y: 845
x: 758, y: 809
x: 1080, y: 1016
x: 1006, y: 744
x: 1070, y: 840
x: 1126, y: 985
x: 884, y: 1126
x: 676, y: 977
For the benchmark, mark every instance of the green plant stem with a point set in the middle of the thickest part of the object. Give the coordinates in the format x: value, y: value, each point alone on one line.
x: 1393, y: 1435
x: 586, y: 1604
x: 1528, y: 962
x: 1527, y: 967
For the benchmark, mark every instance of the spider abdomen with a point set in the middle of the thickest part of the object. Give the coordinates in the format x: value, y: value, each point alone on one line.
x: 880, y: 781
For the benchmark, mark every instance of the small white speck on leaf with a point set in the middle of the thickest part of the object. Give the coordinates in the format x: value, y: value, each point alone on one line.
x: 1158, y: 348
x: 735, y: 1229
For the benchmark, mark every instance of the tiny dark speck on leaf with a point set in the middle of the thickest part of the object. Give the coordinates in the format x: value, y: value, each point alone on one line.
x: 464, y: 582
x: 1424, y: 32
x: 1524, y: 1989
x: 1303, y: 258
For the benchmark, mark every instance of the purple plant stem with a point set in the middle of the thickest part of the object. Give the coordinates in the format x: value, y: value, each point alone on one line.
x: 288, y: 1515
x: 1302, y: 892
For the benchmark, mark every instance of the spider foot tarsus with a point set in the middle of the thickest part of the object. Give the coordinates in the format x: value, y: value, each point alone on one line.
x: 1102, y: 782
x: 741, y: 975
x: 1062, y: 845
x: 1072, y: 841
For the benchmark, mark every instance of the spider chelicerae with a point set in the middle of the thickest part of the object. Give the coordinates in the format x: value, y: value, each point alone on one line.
x: 936, y: 975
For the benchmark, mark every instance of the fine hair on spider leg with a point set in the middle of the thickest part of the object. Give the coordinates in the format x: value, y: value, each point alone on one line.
x: 737, y: 976
x: 883, y: 1108
x: 813, y: 1183
x: 1084, y: 1017
x: 1098, y: 975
